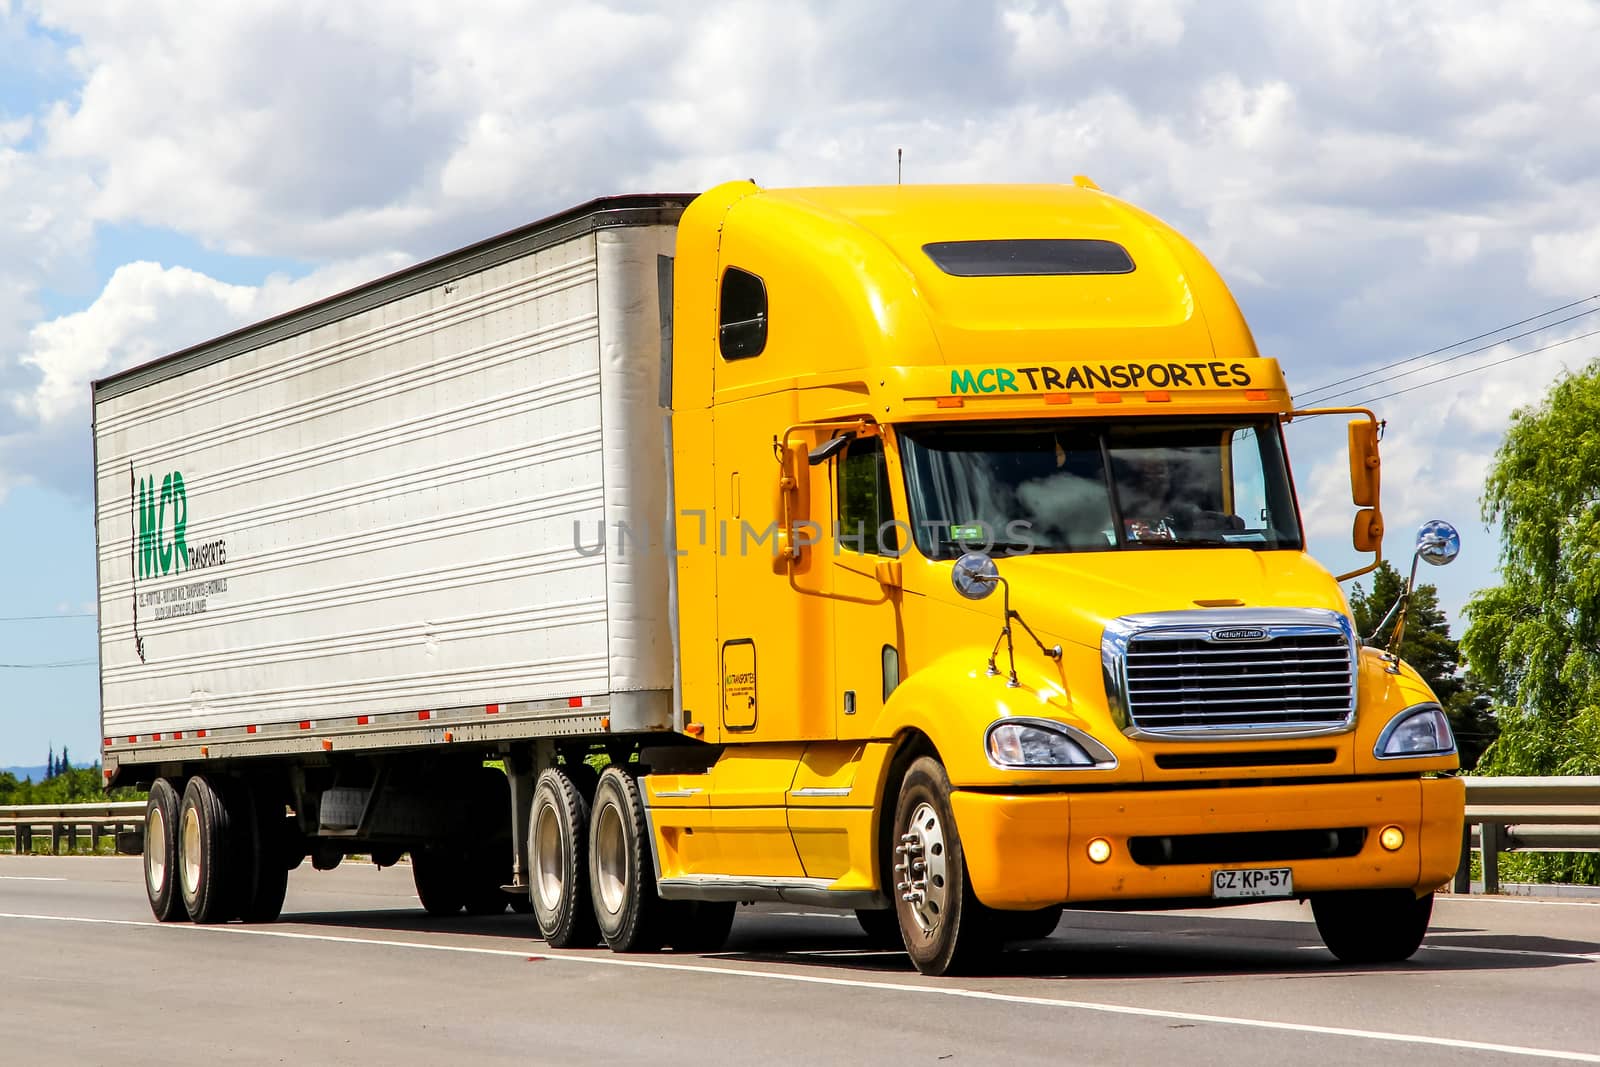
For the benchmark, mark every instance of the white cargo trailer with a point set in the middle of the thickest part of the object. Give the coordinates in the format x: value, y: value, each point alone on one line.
x: 353, y: 551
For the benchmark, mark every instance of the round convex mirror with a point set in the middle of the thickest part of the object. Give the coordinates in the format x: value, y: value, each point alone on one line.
x: 975, y: 575
x: 1438, y: 542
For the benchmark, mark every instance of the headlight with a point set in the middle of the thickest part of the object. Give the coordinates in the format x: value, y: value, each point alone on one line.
x: 1420, y: 730
x: 1042, y: 743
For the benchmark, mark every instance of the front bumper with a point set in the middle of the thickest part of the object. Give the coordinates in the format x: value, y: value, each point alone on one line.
x: 1029, y: 851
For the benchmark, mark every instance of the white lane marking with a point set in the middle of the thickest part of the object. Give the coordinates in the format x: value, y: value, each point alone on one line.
x: 848, y: 983
x: 1588, y: 957
x: 27, y: 878
x: 1535, y: 901
x: 1592, y: 957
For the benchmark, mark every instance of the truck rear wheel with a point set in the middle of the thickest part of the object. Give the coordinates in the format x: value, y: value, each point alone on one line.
x: 161, y: 853
x: 621, y: 870
x: 208, y: 828
x: 264, y: 880
x: 1374, y: 925
x: 699, y: 925
x: 942, y: 922
x: 437, y: 875
x: 558, y: 862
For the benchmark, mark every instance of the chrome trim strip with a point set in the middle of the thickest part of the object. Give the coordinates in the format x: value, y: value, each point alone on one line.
x: 813, y: 891
x: 821, y: 791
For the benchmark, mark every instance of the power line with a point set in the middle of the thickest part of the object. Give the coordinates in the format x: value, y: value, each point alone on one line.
x: 42, y: 618
x: 1451, y: 359
x: 1458, y: 344
x: 56, y: 666
x: 1484, y: 366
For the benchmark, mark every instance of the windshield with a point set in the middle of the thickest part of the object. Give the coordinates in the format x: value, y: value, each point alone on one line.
x: 1072, y: 486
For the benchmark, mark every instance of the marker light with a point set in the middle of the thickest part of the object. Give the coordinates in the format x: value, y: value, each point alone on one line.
x: 1391, y: 838
x: 1099, y: 850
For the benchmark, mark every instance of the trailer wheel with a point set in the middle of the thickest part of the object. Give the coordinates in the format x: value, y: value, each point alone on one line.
x: 265, y: 876
x: 161, y: 853
x: 208, y: 831
x: 558, y: 862
x: 944, y: 925
x: 437, y: 875
x: 1372, y: 926
x: 698, y: 925
x: 621, y: 870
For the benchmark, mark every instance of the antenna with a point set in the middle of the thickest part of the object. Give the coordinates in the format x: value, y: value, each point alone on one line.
x: 899, y: 156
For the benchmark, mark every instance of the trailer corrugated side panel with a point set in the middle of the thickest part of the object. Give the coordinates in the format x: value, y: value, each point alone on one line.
x: 383, y: 514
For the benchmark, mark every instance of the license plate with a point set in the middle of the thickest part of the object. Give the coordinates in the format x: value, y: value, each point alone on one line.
x: 1253, y: 882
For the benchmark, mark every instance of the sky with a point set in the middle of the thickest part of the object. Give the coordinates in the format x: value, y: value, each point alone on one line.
x: 1373, y: 180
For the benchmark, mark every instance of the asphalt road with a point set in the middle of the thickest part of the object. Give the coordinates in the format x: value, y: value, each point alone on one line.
x: 355, y: 973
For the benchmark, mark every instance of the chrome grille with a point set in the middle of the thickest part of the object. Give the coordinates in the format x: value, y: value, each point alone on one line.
x: 1281, y: 672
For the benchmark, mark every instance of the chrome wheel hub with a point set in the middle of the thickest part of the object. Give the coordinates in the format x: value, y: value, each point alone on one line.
x: 611, y: 860
x: 189, y: 850
x: 921, y: 867
x: 547, y: 866
x: 155, y: 850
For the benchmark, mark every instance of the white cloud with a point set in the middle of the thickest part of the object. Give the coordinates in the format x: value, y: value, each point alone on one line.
x: 1373, y: 179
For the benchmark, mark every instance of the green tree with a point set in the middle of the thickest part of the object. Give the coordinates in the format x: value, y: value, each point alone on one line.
x: 1429, y: 648
x: 1535, y: 638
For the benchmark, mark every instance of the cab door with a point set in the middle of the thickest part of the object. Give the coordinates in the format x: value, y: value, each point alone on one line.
x: 868, y: 536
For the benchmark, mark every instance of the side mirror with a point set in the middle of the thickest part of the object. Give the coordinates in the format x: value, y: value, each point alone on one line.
x: 1365, y: 466
x: 975, y: 576
x: 1438, y: 543
x: 1368, y: 531
x: 794, y: 493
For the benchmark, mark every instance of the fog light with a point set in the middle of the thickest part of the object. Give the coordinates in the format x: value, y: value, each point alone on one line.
x: 1391, y: 838
x: 1099, y: 850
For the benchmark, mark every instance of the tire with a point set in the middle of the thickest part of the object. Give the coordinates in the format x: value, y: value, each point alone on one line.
x: 265, y: 878
x: 488, y: 860
x: 621, y: 868
x: 945, y: 927
x: 161, y: 853
x: 698, y: 925
x: 437, y: 875
x: 882, y: 927
x: 208, y: 834
x: 558, y: 862
x: 1372, y: 926
x: 1025, y: 925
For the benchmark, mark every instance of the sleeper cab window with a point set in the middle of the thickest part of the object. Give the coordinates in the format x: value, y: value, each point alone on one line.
x: 866, y: 511
x: 742, y: 317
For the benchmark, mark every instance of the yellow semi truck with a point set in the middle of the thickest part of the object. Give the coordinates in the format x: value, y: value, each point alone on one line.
x: 929, y: 552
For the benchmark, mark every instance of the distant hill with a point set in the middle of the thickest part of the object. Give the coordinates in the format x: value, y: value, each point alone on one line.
x: 23, y: 773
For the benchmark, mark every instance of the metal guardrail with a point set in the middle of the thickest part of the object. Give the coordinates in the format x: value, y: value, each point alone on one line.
x: 1545, y: 814
x: 63, y: 821
x: 1556, y: 814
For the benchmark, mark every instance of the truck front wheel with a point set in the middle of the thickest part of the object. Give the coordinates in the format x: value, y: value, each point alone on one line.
x: 621, y: 870
x: 1372, y: 926
x: 558, y: 858
x: 161, y: 853
x: 942, y: 922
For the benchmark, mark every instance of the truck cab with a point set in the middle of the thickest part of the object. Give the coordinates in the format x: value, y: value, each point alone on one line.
x: 992, y: 592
